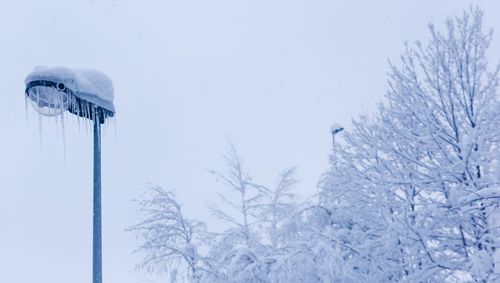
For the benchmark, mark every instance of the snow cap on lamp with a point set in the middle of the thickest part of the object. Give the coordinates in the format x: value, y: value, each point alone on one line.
x: 335, y: 128
x: 89, y: 86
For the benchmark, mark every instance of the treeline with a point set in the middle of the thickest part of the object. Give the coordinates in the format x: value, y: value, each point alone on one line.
x: 411, y: 194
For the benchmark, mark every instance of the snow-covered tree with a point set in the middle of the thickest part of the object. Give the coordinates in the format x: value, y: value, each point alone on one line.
x: 279, y: 205
x: 170, y: 241
x: 411, y: 196
x: 238, y: 247
x: 257, y: 219
x: 257, y: 216
x: 413, y: 186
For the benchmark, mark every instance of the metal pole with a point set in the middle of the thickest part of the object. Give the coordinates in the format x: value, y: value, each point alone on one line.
x: 97, y: 237
x: 335, y: 130
x: 333, y: 141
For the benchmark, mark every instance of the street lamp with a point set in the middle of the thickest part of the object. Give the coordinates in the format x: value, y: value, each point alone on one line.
x: 89, y: 95
x: 335, y: 129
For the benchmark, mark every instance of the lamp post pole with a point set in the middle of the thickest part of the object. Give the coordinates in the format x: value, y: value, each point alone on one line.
x: 87, y: 94
x: 333, y: 140
x: 97, y: 236
x: 335, y: 129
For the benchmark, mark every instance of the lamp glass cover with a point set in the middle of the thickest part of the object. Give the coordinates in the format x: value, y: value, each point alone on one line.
x: 48, y: 101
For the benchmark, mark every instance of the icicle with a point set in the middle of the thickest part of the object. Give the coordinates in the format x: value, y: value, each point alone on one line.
x: 40, y: 130
x: 56, y: 123
x: 78, y: 122
x: 97, y: 120
x: 84, y: 113
x: 78, y: 113
x: 113, y: 121
x: 26, y: 108
x: 88, y: 117
x: 39, y: 120
x: 63, y: 132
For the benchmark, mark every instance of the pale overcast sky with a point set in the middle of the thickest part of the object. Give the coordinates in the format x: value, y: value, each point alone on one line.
x: 271, y: 76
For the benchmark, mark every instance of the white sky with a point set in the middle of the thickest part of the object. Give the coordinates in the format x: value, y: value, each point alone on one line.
x: 271, y: 76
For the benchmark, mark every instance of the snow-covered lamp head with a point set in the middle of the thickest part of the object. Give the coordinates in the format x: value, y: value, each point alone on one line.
x: 86, y: 93
x: 335, y: 128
